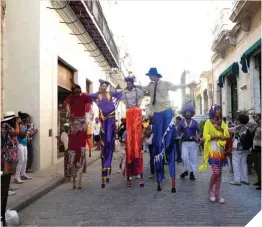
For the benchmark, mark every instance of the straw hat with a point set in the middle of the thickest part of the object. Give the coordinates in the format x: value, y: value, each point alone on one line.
x: 9, y: 115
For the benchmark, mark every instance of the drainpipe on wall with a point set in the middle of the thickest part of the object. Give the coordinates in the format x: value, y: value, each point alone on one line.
x: 3, y: 10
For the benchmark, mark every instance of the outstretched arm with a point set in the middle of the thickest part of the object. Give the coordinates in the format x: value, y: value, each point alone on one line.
x: 93, y: 96
x: 117, y: 94
x: 144, y: 89
x: 174, y: 87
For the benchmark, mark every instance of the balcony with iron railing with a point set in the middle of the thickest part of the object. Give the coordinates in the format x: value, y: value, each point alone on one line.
x: 91, y: 16
x: 96, y: 10
x: 243, y: 9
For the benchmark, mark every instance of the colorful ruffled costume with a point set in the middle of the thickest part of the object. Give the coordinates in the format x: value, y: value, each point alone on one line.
x: 214, y: 150
x: 214, y: 153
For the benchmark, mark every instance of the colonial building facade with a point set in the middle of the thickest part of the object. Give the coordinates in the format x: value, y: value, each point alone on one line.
x: 49, y: 44
x: 3, y: 8
x: 203, y: 93
x: 237, y: 60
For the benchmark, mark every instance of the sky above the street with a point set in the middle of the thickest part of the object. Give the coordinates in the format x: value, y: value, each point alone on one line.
x: 170, y: 35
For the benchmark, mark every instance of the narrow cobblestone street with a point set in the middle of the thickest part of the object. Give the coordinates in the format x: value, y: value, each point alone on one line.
x: 117, y: 205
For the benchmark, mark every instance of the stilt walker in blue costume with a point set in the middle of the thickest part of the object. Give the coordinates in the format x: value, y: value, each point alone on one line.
x: 163, y: 126
x: 189, y: 129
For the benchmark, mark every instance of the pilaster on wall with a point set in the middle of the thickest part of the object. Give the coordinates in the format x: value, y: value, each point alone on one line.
x: 255, y: 87
x: 3, y: 9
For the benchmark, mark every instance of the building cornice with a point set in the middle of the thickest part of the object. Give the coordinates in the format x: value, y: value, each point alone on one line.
x: 243, y: 11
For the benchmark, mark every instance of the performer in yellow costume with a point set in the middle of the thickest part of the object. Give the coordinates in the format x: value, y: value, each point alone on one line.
x: 215, y: 135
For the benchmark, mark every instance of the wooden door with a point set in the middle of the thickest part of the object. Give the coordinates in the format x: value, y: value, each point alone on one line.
x: 65, y: 76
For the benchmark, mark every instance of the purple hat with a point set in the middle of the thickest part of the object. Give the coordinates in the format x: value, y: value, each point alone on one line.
x: 188, y: 107
x: 213, y: 110
x: 130, y: 78
x: 104, y: 82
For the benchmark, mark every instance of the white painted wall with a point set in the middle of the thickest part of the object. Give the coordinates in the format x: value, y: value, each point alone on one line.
x: 244, y: 41
x: 35, y: 39
x: 21, y: 62
x: 56, y: 41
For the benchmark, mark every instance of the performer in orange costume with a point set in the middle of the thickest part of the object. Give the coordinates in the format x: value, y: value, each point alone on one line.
x: 132, y: 97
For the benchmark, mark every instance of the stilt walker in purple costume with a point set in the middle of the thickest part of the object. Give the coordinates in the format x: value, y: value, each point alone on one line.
x: 163, y: 125
x: 188, y: 129
x: 107, y: 103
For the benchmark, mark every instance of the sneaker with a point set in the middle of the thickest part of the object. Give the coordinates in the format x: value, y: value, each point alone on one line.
x: 192, y: 176
x: 220, y: 200
x: 243, y: 182
x: 183, y: 175
x: 258, y: 188
x: 119, y: 170
x: 18, y: 181
x: 128, y: 184
x: 26, y: 177
x: 29, y: 171
x: 141, y: 182
x: 11, y: 188
x: 212, y: 199
x: 11, y: 193
x: 235, y: 183
x: 150, y: 177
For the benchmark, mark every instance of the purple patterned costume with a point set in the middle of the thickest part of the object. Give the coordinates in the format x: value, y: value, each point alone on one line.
x: 107, y: 104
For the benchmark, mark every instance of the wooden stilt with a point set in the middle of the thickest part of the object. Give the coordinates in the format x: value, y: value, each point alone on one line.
x: 173, y: 190
x: 158, y: 187
x: 103, y: 183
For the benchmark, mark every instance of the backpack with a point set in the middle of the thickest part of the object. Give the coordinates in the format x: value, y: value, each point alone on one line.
x: 246, y: 139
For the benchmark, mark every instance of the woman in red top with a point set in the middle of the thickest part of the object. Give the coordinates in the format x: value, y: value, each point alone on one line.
x: 76, y: 105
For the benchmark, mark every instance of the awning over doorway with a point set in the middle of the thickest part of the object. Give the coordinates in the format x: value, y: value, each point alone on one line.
x: 245, y: 58
x: 232, y: 69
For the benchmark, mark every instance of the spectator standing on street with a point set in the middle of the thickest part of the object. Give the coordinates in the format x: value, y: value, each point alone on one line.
x: 122, y: 128
x: 145, y: 125
x: 89, y: 137
x: 97, y: 128
x: 89, y: 122
x: 65, y: 140
x: 22, y: 150
x: 215, y: 134
x: 9, y: 144
x: 178, y: 141
x: 31, y: 132
x: 244, y: 134
x: 256, y: 152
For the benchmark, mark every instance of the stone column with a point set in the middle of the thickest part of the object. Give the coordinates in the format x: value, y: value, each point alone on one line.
x: 3, y: 9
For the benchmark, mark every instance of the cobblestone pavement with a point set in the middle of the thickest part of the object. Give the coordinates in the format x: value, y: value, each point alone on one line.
x: 117, y: 205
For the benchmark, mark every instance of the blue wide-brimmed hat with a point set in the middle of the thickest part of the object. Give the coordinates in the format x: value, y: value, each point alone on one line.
x: 153, y: 72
